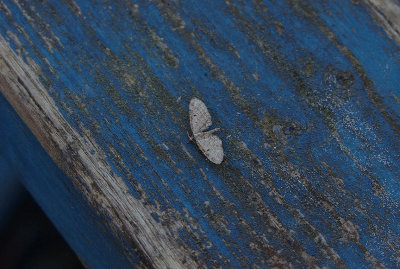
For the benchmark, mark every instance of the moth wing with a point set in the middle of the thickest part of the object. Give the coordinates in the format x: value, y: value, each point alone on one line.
x: 200, y: 118
x: 211, y: 146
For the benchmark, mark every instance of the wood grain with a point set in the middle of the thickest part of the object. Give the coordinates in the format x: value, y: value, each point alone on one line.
x: 105, y: 190
x: 306, y: 97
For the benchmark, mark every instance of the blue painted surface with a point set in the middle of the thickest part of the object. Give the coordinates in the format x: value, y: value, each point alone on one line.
x: 326, y: 73
x: 27, y: 161
x: 11, y: 190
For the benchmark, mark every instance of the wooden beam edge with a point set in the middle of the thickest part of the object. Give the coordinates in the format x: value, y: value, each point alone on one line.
x: 386, y: 13
x: 84, y: 162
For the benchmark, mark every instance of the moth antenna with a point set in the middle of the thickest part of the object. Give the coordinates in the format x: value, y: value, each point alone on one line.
x: 190, y: 137
x: 212, y: 131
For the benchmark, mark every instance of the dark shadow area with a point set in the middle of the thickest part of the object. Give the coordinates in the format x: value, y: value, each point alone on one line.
x: 29, y: 240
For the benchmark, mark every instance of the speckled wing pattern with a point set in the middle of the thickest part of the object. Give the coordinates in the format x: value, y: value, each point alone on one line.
x: 211, y: 146
x: 200, y: 120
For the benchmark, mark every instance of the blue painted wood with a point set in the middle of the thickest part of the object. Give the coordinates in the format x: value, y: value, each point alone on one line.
x: 52, y: 189
x: 305, y: 93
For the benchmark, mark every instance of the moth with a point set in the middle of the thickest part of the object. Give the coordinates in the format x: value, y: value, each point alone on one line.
x: 200, y: 121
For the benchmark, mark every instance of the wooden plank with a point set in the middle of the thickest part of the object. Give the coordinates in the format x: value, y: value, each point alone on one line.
x: 85, y: 232
x: 306, y: 96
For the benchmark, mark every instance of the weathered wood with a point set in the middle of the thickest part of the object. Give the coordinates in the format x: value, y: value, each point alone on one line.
x: 306, y: 97
x: 64, y: 204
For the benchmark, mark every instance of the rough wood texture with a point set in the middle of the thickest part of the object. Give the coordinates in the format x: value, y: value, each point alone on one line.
x: 306, y: 96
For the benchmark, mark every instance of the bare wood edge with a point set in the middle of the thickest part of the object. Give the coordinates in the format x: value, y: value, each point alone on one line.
x: 387, y: 14
x: 105, y: 191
